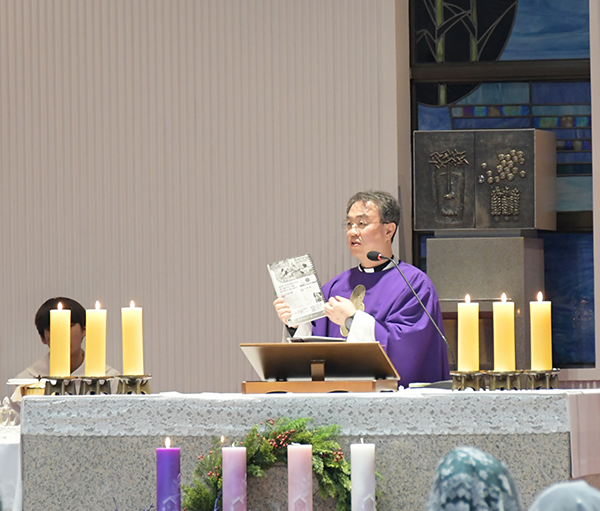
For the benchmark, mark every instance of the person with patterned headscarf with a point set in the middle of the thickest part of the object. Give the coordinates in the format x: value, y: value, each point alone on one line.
x: 468, y: 479
x: 569, y: 496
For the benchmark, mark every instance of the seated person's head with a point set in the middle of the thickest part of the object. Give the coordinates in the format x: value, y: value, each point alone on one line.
x: 570, y: 496
x: 42, y: 320
x: 470, y: 479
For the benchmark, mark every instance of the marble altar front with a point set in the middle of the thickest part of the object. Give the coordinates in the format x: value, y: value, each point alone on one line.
x: 90, y: 452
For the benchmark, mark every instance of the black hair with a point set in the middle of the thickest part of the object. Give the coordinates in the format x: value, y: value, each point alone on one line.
x: 42, y: 316
x: 389, y: 208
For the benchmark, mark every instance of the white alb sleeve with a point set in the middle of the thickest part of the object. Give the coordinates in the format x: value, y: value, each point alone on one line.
x: 363, y: 328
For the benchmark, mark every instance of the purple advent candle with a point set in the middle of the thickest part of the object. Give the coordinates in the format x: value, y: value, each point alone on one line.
x: 168, y: 473
x: 234, y: 479
x: 300, y: 477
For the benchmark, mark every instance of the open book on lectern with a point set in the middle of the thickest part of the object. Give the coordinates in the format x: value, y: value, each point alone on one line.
x: 315, y: 338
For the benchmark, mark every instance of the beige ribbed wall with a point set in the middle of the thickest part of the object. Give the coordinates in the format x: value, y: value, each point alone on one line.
x: 166, y: 151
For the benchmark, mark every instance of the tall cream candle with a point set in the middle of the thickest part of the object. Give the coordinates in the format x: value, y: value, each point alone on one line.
x: 95, y: 342
x: 468, y: 335
x: 541, y: 334
x: 60, y: 342
x: 133, y: 340
x: 504, y: 335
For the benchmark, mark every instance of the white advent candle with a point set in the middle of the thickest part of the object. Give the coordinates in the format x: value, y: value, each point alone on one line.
x: 234, y: 478
x: 504, y: 335
x: 541, y: 334
x: 133, y: 340
x: 60, y: 342
x: 363, y: 476
x: 95, y: 342
x: 468, y: 336
x: 299, y: 477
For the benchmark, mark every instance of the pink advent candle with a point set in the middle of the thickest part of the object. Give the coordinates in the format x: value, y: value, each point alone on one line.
x: 299, y: 477
x: 234, y: 479
x: 168, y: 474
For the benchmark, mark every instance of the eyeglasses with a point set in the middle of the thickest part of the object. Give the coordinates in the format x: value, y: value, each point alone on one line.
x: 347, y: 225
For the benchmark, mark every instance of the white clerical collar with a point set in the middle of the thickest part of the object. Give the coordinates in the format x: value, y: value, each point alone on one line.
x: 381, y: 267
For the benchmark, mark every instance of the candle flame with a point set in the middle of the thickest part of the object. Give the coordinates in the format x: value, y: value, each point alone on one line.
x: 467, y: 298
x: 168, y: 443
x: 132, y: 304
x: 503, y: 298
x: 59, y: 306
x: 97, y: 305
x: 222, y: 439
x: 540, y: 296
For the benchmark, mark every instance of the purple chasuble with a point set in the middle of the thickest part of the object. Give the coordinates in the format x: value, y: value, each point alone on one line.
x: 401, y: 325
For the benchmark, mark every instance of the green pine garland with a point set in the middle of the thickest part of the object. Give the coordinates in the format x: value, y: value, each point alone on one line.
x: 266, y: 445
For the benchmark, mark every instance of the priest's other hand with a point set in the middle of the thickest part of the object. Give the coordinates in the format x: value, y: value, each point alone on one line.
x: 283, y: 310
x: 338, y: 309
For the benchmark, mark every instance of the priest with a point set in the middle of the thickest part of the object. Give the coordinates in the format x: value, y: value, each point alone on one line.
x: 372, y: 302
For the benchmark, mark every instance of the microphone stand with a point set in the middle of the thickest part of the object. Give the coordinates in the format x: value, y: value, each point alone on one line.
x: 381, y: 257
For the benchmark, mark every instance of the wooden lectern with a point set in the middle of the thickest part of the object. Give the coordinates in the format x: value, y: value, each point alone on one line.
x: 319, y: 367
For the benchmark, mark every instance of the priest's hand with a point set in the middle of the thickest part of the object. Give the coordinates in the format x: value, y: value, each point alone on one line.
x: 284, y: 311
x: 338, y: 309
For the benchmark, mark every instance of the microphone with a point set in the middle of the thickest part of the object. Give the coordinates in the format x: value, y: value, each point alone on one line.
x: 373, y: 255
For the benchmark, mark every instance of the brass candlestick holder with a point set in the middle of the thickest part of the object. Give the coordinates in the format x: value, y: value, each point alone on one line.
x: 60, y: 386
x: 134, y: 384
x: 505, y: 380
x: 95, y: 385
x: 542, y: 379
x: 462, y: 380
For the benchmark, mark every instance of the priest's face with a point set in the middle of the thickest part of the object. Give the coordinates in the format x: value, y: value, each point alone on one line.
x: 365, y: 232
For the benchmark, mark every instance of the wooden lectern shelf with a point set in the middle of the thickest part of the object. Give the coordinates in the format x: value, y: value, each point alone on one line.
x: 319, y: 367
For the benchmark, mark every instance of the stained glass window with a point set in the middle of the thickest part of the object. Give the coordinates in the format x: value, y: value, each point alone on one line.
x: 540, y: 39
x: 549, y: 29
x: 462, y: 30
x: 561, y: 107
x: 572, y: 295
x: 490, y: 30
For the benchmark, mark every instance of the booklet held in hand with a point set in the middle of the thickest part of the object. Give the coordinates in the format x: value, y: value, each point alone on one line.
x: 296, y: 281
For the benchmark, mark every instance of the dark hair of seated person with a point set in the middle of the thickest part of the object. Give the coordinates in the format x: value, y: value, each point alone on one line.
x: 42, y: 316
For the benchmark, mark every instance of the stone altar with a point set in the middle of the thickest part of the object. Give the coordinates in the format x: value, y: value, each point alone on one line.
x: 81, y: 452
